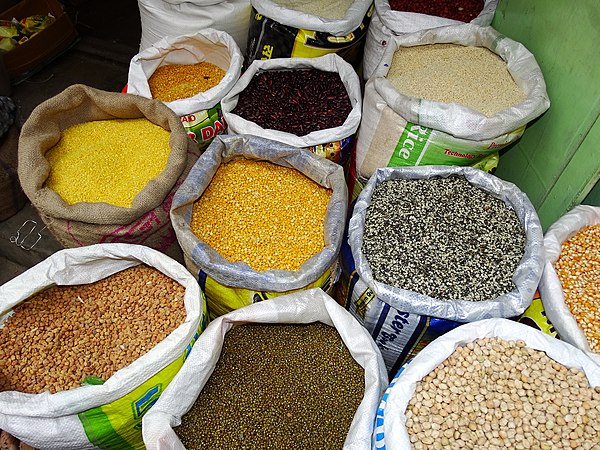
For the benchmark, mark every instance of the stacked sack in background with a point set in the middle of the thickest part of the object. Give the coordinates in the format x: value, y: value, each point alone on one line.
x: 177, y: 18
x: 288, y: 29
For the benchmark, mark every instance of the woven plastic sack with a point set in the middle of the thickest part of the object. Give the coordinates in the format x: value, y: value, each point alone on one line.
x: 161, y: 18
x: 341, y: 139
x: 302, y: 307
x: 108, y: 415
x: 277, y: 31
x: 398, y: 130
x: 147, y: 221
x: 390, y: 429
x: 402, y: 322
x: 201, y: 114
x: 551, y: 291
x: 231, y: 285
x: 387, y: 22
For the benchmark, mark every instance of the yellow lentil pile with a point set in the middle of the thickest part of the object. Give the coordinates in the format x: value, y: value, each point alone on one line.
x: 268, y: 216
x: 177, y: 81
x: 578, y: 269
x: 59, y: 336
x: 471, y: 76
x: 107, y: 160
x: 499, y: 394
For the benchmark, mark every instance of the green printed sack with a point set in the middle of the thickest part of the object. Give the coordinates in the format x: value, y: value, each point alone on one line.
x: 201, y: 114
x: 106, y: 415
x: 398, y: 130
x: 232, y: 285
x: 305, y: 307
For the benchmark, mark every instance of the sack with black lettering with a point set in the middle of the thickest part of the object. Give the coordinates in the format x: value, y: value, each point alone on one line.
x: 399, y: 130
x: 201, y: 114
x: 278, y: 31
x: 402, y: 322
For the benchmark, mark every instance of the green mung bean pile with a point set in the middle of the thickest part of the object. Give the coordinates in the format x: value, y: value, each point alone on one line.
x: 280, y: 386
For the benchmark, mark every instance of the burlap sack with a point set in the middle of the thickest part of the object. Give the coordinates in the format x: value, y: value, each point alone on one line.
x: 147, y: 221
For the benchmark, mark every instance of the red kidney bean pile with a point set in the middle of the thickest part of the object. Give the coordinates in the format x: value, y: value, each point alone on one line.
x: 463, y: 10
x: 295, y: 101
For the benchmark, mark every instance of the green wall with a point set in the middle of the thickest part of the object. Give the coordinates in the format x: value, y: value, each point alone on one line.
x: 557, y: 161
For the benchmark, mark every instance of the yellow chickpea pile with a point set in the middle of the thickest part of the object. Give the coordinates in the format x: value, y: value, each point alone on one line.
x: 578, y: 268
x: 107, y: 160
x: 177, y: 81
x: 268, y: 216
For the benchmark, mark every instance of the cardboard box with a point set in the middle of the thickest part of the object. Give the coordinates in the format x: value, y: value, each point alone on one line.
x: 45, y: 45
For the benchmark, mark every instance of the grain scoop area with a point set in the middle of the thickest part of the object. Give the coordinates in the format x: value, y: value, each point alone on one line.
x: 296, y: 228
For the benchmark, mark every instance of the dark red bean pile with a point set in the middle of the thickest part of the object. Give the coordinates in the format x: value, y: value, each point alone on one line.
x: 463, y: 10
x: 295, y: 101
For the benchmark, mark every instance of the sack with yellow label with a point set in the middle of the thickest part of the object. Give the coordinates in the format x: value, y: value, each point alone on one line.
x: 316, y: 29
x: 228, y: 284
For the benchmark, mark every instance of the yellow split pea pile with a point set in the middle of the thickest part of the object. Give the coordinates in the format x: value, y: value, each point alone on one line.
x: 177, y: 81
x: 496, y: 394
x: 578, y: 269
x: 107, y: 160
x: 268, y: 216
x: 60, y: 336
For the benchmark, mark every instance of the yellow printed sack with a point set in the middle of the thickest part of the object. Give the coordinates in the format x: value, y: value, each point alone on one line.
x: 276, y: 31
x: 104, y: 414
x: 231, y: 285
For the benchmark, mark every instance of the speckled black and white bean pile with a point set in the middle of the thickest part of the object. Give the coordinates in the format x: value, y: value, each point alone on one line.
x: 442, y: 237
x: 277, y: 386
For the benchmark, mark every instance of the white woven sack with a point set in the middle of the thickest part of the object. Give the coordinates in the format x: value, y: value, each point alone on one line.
x: 201, y: 257
x: 327, y: 63
x: 386, y: 111
x: 550, y: 287
x: 390, y: 431
x: 303, y: 307
x: 387, y: 22
x: 525, y: 278
x: 161, y: 18
x: 213, y: 46
x: 50, y: 421
x: 297, y: 19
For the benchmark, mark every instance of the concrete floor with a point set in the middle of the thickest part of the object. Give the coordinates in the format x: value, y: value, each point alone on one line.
x: 109, y: 36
